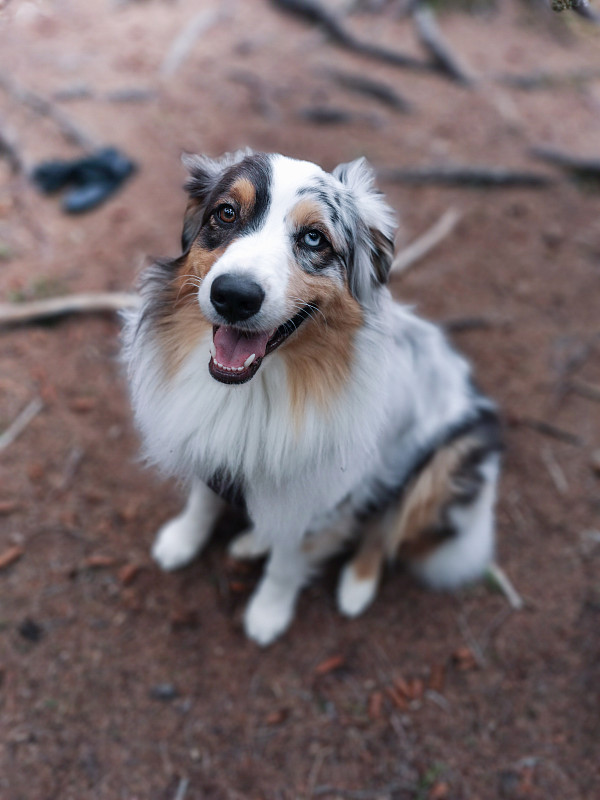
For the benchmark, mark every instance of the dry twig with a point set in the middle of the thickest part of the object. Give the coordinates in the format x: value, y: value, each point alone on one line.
x: 581, y: 167
x: 501, y: 580
x: 69, y: 129
x: 316, y: 13
x: 432, y: 40
x: 187, y: 38
x: 18, y: 313
x: 18, y: 425
x: 554, y: 470
x: 364, y: 85
x: 415, y: 251
x: 590, y: 391
x: 466, y: 176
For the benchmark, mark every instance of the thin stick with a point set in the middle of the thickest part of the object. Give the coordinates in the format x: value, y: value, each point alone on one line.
x: 415, y: 251
x: 10, y: 151
x: 584, y: 389
x: 316, y: 13
x: 585, y: 167
x: 72, y: 132
x: 16, y: 428
x: 431, y: 38
x: 546, y: 429
x: 15, y: 313
x: 554, y: 470
x: 501, y: 580
x: 182, y: 789
x: 467, y: 175
x: 186, y: 39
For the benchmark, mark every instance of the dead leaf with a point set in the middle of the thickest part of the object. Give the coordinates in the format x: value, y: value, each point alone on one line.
x: 329, y: 665
x: 11, y: 555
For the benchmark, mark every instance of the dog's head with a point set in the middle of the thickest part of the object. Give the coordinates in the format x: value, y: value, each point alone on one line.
x: 274, y: 246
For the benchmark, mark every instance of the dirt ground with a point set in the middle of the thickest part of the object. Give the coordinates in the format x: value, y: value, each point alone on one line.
x: 119, y: 681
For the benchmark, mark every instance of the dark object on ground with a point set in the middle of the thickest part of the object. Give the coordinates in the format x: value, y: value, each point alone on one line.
x: 94, y: 178
x: 30, y: 630
x: 164, y: 692
x: 459, y: 175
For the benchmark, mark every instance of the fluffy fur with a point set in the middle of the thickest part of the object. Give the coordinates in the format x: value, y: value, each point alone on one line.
x: 270, y: 363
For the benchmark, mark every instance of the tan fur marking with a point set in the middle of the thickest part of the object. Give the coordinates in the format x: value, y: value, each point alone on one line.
x: 244, y: 192
x: 182, y: 325
x: 367, y: 563
x: 308, y: 213
x: 414, y: 528
x: 319, y: 360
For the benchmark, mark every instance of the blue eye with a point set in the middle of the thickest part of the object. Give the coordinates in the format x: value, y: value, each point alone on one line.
x: 312, y: 238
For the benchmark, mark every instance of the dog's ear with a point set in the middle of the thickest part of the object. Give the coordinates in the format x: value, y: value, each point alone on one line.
x: 377, y: 225
x: 204, y: 174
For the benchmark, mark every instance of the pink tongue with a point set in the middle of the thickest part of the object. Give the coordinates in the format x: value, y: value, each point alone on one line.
x: 234, y: 347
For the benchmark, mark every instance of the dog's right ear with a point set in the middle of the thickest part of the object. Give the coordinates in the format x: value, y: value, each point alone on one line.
x: 204, y: 174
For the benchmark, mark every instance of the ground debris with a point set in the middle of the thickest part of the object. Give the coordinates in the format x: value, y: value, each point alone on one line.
x: 330, y: 665
x: 466, y: 175
x: 10, y: 555
x: 364, y: 85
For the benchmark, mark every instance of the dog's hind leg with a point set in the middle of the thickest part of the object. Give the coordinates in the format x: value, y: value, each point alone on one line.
x: 360, y: 578
x: 182, y: 538
x: 465, y: 554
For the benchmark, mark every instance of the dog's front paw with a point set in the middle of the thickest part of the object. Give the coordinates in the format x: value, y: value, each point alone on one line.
x: 355, y: 594
x: 269, y: 613
x: 247, y: 546
x: 176, y: 544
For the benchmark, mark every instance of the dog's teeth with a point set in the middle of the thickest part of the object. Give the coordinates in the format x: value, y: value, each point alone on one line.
x: 213, y: 350
x: 249, y: 360
x: 239, y: 369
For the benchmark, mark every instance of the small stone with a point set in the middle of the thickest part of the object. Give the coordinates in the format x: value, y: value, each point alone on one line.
x: 595, y: 461
x: 164, y: 691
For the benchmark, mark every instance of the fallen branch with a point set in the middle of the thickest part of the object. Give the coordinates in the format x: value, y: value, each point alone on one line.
x: 466, y: 176
x: 554, y: 470
x: 18, y: 313
x: 501, y: 580
x: 432, y: 40
x: 183, y: 43
x: 10, y: 151
x: 72, y: 132
x: 590, y: 391
x: 548, y: 80
x: 545, y: 428
x: 364, y: 85
x: 16, y: 428
x: 415, y: 251
x: 581, y: 167
x: 316, y: 13
x: 466, y: 324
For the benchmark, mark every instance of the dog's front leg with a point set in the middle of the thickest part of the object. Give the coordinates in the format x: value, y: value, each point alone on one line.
x: 271, y: 608
x: 182, y: 538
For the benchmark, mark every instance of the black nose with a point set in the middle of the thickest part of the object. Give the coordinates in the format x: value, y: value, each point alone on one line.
x: 236, y: 297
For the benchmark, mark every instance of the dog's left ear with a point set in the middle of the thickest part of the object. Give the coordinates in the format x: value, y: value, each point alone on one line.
x: 377, y: 224
x: 204, y: 173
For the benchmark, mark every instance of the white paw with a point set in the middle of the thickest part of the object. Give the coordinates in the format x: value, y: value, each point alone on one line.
x: 354, y: 594
x: 176, y: 544
x: 269, y: 613
x: 247, y: 546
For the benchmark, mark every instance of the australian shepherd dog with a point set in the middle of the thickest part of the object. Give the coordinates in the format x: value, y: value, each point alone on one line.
x: 270, y: 368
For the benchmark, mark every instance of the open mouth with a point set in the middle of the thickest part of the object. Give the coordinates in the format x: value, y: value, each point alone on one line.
x: 237, y: 354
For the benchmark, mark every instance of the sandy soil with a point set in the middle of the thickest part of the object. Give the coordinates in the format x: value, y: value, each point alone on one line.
x: 118, y: 681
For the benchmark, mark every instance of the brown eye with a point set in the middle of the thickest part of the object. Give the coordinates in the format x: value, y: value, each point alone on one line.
x: 227, y: 214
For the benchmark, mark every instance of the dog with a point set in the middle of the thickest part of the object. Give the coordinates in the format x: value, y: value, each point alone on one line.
x: 270, y: 368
